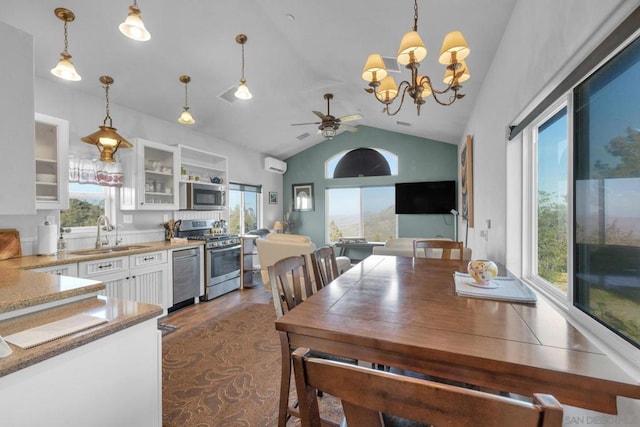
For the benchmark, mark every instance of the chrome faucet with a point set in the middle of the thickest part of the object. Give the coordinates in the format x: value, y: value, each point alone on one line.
x: 103, y: 223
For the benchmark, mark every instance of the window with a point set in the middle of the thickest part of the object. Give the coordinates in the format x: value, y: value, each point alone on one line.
x: 362, y: 162
x: 585, y: 224
x: 551, y: 199
x: 86, y: 203
x: 244, y: 206
x: 367, y: 212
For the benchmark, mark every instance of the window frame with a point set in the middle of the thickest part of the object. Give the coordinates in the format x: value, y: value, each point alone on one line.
x: 623, y: 352
x: 109, y: 207
x: 242, y: 189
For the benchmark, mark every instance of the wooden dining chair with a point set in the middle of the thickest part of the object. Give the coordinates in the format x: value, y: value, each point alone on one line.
x: 325, y: 266
x: 421, y: 247
x: 367, y: 393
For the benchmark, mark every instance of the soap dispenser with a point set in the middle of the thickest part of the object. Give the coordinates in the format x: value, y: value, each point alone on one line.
x: 62, y: 244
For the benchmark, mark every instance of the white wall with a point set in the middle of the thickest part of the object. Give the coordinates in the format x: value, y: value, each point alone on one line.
x: 85, y: 113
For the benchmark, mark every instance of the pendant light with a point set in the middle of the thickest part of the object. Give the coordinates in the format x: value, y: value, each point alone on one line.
x: 133, y: 27
x: 106, y: 139
x: 243, y: 90
x: 65, y: 69
x: 185, y: 117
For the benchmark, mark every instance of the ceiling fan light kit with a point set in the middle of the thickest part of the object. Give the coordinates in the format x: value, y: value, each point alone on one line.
x: 411, y: 51
x: 65, y: 68
x: 329, y: 124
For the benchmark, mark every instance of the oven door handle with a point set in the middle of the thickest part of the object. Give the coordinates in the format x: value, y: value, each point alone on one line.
x: 230, y: 248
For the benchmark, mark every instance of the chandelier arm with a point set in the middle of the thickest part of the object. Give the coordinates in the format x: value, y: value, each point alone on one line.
x: 404, y: 92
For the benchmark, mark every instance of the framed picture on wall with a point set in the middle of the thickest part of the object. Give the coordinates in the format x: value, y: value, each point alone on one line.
x: 302, y: 197
x: 466, y: 180
x: 273, y: 197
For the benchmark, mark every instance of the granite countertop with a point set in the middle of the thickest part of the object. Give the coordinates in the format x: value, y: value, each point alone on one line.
x: 120, y: 314
x: 39, y: 261
x: 20, y: 289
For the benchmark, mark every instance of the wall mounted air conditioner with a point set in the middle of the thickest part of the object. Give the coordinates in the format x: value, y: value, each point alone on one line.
x: 274, y: 165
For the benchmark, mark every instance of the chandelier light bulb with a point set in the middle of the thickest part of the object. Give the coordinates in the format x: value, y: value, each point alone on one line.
x: 243, y: 91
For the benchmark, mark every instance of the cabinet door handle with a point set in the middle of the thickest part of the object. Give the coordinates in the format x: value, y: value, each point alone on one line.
x: 105, y: 266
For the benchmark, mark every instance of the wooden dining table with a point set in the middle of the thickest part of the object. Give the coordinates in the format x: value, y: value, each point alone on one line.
x: 404, y: 313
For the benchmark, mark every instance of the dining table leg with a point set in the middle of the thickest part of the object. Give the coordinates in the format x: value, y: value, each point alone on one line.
x: 285, y: 380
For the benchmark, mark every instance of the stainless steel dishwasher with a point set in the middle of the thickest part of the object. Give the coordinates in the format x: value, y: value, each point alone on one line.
x: 186, y: 276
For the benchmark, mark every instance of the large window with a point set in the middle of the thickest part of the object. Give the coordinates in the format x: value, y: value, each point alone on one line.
x: 585, y: 221
x: 367, y: 212
x: 244, y: 207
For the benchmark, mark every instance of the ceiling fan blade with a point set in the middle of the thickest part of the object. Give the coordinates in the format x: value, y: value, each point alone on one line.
x: 319, y: 114
x: 350, y: 118
x: 300, y: 124
x: 349, y: 128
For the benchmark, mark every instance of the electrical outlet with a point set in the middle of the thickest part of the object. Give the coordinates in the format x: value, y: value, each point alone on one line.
x: 483, y: 233
x: 165, y: 218
x: 127, y: 219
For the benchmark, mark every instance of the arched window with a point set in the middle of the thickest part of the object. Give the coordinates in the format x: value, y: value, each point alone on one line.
x: 361, y: 162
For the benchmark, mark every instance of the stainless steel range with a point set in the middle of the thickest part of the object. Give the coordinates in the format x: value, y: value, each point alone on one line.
x: 222, y: 256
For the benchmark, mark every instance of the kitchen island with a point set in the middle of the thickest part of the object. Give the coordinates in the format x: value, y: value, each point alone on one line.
x: 106, y: 375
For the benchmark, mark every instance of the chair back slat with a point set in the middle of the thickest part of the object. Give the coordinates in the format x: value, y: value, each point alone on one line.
x: 420, y: 248
x: 325, y: 266
x: 365, y: 393
x: 290, y: 282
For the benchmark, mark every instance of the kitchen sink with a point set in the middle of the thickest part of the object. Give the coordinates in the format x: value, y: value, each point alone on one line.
x: 107, y: 250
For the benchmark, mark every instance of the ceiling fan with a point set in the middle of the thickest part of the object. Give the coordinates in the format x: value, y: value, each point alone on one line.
x: 330, y: 124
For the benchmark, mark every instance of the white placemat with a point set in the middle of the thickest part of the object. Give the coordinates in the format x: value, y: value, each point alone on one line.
x: 507, y: 289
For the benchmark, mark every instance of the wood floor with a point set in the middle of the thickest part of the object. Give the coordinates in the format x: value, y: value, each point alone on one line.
x: 195, y: 314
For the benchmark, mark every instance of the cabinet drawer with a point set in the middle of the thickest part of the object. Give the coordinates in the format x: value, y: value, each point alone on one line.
x: 149, y: 258
x: 88, y: 269
x: 60, y: 270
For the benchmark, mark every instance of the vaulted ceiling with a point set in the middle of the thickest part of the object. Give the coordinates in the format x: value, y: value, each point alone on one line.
x: 296, y: 52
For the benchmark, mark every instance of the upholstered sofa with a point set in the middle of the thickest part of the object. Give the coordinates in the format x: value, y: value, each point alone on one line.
x: 277, y: 246
x: 403, y: 246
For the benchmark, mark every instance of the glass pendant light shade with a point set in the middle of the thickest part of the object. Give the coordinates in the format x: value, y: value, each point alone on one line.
x: 462, y: 72
x: 388, y: 90
x: 374, y: 69
x: 411, y: 49
x: 186, y: 118
x: 243, y: 91
x: 133, y: 27
x: 454, y: 43
x: 65, y: 69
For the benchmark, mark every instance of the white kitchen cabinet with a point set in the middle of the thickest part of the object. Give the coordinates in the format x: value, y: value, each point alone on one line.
x: 151, y: 178
x: 52, y: 162
x: 17, y: 168
x: 140, y: 277
x: 70, y: 270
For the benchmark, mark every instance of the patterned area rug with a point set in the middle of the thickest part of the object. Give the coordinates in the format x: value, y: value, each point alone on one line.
x: 226, y: 372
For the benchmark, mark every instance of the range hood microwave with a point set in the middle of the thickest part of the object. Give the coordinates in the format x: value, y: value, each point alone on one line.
x: 196, y: 196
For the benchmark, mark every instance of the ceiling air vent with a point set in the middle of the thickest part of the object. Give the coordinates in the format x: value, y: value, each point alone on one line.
x: 303, y: 136
x: 391, y: 64
x: 399, y: 123
x: 229, y: 95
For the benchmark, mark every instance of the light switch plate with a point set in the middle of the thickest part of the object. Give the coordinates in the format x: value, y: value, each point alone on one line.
x: 127, y: 219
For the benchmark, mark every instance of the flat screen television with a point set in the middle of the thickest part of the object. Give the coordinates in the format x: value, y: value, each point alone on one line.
x: 431, y: 197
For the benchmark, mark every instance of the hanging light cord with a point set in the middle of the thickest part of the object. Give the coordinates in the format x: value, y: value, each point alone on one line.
x: 106, y: 88
x: 242, y: 79
x: 415, y: 16
x: 66, y: 40
x: 186, y: 104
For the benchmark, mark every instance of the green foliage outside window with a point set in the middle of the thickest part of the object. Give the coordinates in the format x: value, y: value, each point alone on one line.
x: 82, y: 213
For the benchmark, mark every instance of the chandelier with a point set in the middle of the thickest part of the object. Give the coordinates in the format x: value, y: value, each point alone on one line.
x: 411, y: 51
x: 186, y: 117
x: 64, y: 69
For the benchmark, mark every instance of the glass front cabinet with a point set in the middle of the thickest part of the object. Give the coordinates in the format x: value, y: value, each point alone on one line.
x: 52, y: 162
x: 151, y: 176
